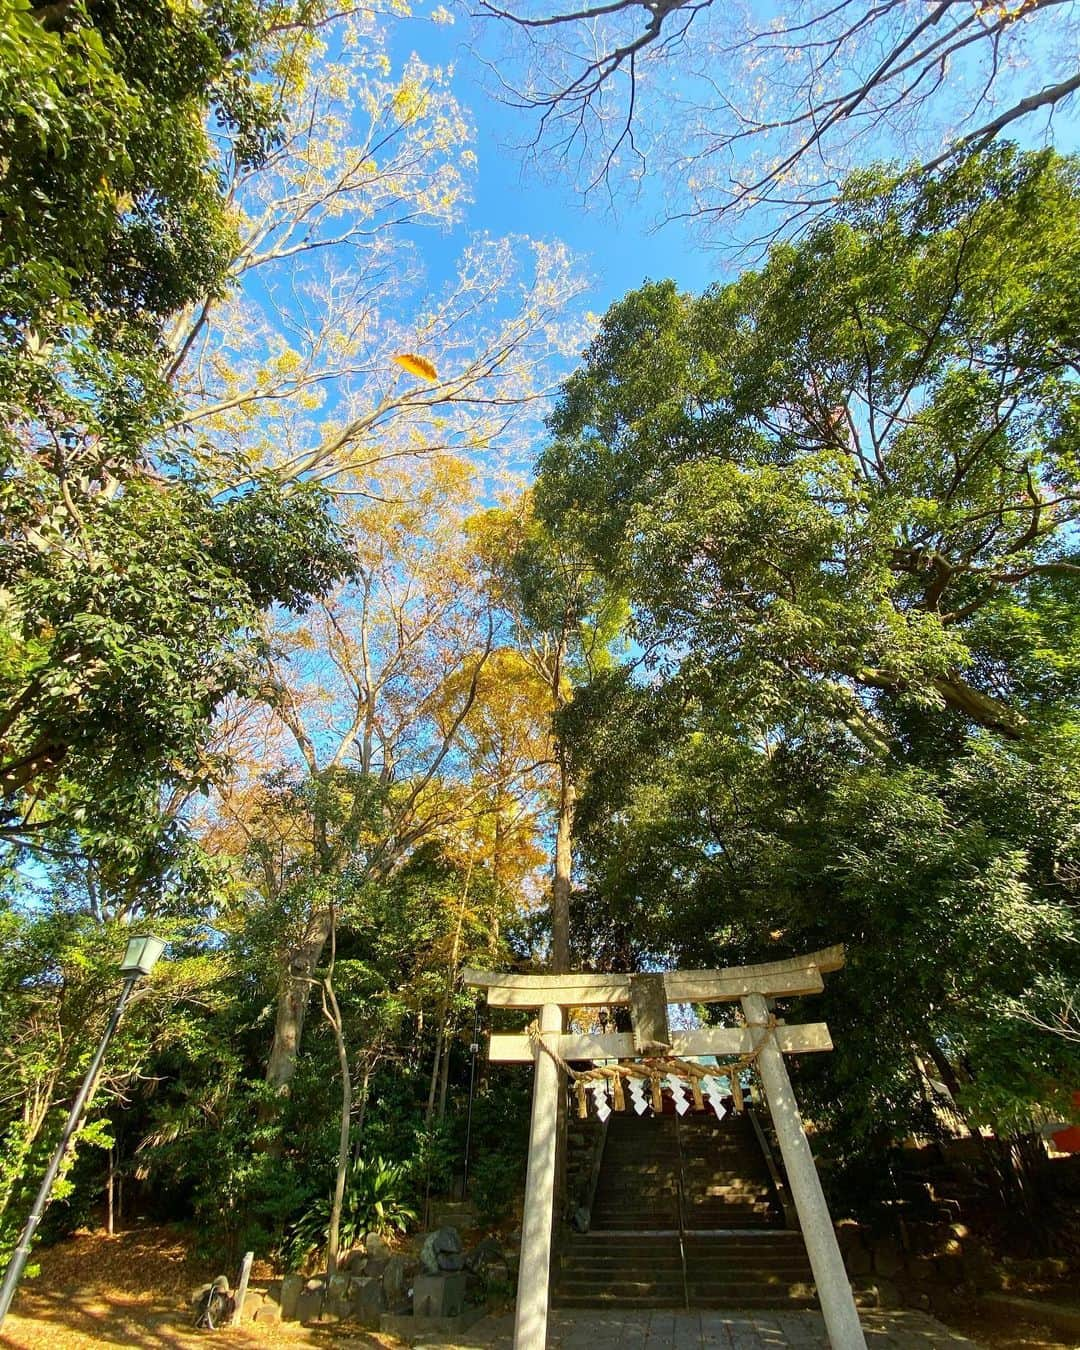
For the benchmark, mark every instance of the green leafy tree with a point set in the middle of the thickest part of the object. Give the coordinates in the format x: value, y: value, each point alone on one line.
x: 563, y: 620
x: 841, y: 497
x: 130, y: 581
x: 851, y: 473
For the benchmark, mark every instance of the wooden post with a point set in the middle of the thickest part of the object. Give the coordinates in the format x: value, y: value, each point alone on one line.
x: 241, y: 1288
x: 833, y: 1287
x: 530, y: 1320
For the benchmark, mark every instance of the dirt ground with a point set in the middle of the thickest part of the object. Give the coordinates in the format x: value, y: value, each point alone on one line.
x: 998, y: 1330
x: 133, y: 1290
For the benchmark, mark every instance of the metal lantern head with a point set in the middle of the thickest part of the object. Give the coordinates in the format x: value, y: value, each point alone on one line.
x: 141, y: 956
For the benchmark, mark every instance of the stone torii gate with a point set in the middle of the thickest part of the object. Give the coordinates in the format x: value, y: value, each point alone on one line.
x: 762, y: 1037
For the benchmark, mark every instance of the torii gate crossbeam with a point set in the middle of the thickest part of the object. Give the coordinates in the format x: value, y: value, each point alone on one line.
x: 749, y: 986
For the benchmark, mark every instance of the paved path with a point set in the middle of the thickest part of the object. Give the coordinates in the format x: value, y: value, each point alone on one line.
x: 735, y: 1331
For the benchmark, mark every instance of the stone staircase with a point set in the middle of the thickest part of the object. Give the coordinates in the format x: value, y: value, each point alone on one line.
x: 638, y: 1188
x: 726, y: 1182
x: 684, y: 1215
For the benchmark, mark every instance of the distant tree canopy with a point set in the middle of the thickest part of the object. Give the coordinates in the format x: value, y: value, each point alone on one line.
x: 840, y: 495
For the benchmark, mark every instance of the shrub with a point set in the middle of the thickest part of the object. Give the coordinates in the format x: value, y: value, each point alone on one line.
x: 374, y: 1202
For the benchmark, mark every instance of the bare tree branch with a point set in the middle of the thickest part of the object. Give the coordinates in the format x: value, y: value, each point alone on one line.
x: 767, y: 112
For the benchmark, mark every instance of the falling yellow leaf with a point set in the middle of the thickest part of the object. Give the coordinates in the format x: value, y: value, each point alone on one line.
x: 419, y: 366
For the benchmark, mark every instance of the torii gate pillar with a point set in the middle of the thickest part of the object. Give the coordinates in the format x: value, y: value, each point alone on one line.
x: 534, y: 1271
x: 834, y: 1289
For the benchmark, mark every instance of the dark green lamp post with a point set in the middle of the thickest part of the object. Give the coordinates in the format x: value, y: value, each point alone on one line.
x: 139, y: 960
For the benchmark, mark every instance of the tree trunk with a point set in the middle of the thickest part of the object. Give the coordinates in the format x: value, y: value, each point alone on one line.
x: 332, y: 1013
x: 334, y: 1236
x: 293, y: 996
x: 110, y: 1218
x: 433, y: 1086
x: 362, y: 1114
x: 444, y: 1079
x: 442, y: 1050
x: 560, y: 881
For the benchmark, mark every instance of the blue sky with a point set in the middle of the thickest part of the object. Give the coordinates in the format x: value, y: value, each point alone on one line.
x: 619, y: 247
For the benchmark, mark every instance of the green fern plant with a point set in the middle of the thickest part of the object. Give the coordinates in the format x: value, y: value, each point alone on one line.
x: 375, y: 1202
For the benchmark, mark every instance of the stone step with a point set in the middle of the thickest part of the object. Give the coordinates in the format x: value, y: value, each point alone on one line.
x: 650, y: 1245
x: 722, y: 1202
x: 754, y: 1245
x: 729, y: 1216
x: 734, y: 1295
x: 738, y: 1300
x: 641, y: 1158
x: 666, y: 1205
x: 625, y: 1187
x: 667, y: 1210
x: 695, y: 1214
x: 604, y: 1300
x: 632, y: 1285
x: 738, y: 1275
x: 733, y: 1302
x: 602, y: 1275
x: 668, y: 1260
x: 719, y: 1176
x: 636, y: 1223
x: 617, y: 1247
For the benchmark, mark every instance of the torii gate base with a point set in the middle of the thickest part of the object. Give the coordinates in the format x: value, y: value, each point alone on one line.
x: 748, y: 985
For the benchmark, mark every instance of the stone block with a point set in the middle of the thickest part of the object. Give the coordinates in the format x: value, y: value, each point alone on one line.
x: 253, y: 1301
x: 950, y: 1269
x: 438, y: 1295
x: 338, y: 1286
x: 354, y: 1261
x: 924, y: 1238
x: 377, y: 1246
x: 923, y: 1270
x: 292, y: 1286
x: 486, y: 1251
x: 269, y: 1314
x: 981, y: 1273
x: 366, y: 1301
x: 309, y: 1305
x: 857, y: 1260
x: 888, y: 1258
x: 440, y: 1330
x: 394, y: 1280
x: 497, y: 1277
x: 441, y: 1252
